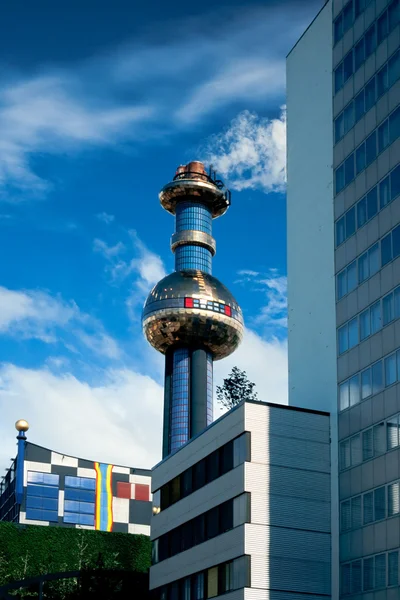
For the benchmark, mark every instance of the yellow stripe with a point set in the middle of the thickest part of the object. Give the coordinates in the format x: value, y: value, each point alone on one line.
x: 98, y: 495
x: 109, y: 498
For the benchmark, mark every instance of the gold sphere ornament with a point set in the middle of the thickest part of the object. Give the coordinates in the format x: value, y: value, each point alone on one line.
x: 22, y: 425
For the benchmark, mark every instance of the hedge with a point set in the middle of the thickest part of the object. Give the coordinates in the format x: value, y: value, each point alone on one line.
x: 30, y: 550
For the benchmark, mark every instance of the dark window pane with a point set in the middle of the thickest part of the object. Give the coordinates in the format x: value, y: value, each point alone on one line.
x: 377, y: 377
x: 393, y: 568
x: 376, y: 319
x: 348, y: 66
x: 379, y: 504
x: 187, y: 535
x: 368, y: 506
x: 339, y: 77
x: 362, y: 212
x: 175, y: 489
x: 373, y: 259
x: 342, y: 284
x: 352, y: 276
x: 394, y: 68
x: 394, y: 125
x: 370, y: 41
x: 356, y: 582
x: 348, y: 117
x: 199, y: 475
x: 384, y: 192
x: 343, y: 340
x: 382, y: 80
x: 360, y: 158
x: 382, y: 27
x: 165, y: 497
x: 212, y: 523
x: 395, y: 183
x: 339, y: 127
x: 363, y: 270
x: 339, y: 179
x: 349, y: 169
x: 390, y: 370
x: 348, y: 16
x: 175, y: 537
x: 370, y: 148
x: 372, y: 202
x: 396, y: 241
x: 365, y: 326
x: 359, y: 54
x: 359, y: 6
x: 340, y: 231
x: 350, y: 222
x: 353, y: 332
x: 199, y: 530
x: 388, y: 309
x: 370, y: 94
x: 226, y: 516
x: 359, y: 105
x: 186, y: 483
x: 212, y: 466
x: 227, y: 457
x: 393, y: 13
x: 386, y: 249
x: 338, y: 28
x: 383, y: 135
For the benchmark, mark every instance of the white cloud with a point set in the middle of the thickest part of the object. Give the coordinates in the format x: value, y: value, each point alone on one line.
x: 32, y: 314
x: 116, y: 420
x: 251, y: 153
x: 106, y: 218
x: 148, y: 89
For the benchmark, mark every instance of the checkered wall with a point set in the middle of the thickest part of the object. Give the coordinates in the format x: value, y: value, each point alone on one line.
x: 73, y: 492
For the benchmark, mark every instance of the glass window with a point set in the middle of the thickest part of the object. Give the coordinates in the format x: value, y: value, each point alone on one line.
x: 368, y: 508
x: 348, y: 117
x: 386, y: 249
x: 395, y: 183
x: 354, y: 390
x: 339, y: 127
x: 376, y: 321
x: 390, y: 370
x: 198, y: 586
x: 393, y: 568
x: 396, y: 303
x: 394, y: 125
x: 379, y: 439
x: 372, y: 202
x: 359, y: 54
x: 348, y: 66
x: 347, y: 16
x: 349, y: 169
x: 370, y: 94
x: 175, y: 489
x: 212, y: 466
x: 359, y: 6
x: 398, y: 364
x: 366, y: 385
x: 356, y: 577
x: 340, y: 231
x: 377, y: 377
x: 360, y: 158
x: 338, y: 28
x: 199, y: 529
x: 345, y: 454
x: 367, y: 443
x: 342, y: 284
x: 393, y: 14
x: 350, y: 222
x: 382, y: 81
x: 370, y: 41
x: 344, y: 397
x: 356, y: 512
x: 370, y: 148
x: 392, y: 432
x: 383, y: 27
x: 353, y: 332
x: 393, y: 499
x: 383, y: 135
x: 355, y: 450
x: 387, y: 307
x: 380, y: 571
x: 365, y: 329
x: 396, y: 241
x: 351, y: 276
x: 368, y: 577
x: 384, y: 192
x: 345, y: 515
x: 345, y: 576
x: 226, y: 517
x: 240, y: 573
x: 339, y: 179
x: 373, y: 260
x: 363, y: 271
x: 339, y: 77
x: 380, y: 504
x: 359, y: 109
x: 394, y: 68
x: 226, y: 459
x: 361, y: 211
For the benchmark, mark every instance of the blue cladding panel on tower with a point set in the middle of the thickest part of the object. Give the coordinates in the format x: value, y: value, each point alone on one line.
x: 180, y: 399
x: 193, y: 215
x: 193, y: 257
x: 209, y: 389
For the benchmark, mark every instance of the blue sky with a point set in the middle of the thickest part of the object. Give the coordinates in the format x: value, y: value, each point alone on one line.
x: 97, y: 108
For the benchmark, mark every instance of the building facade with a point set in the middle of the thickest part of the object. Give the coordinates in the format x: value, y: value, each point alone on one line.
x: 44, y: 487
x: 244, y: 509
x: 189, y: 315
x: 344, y: 239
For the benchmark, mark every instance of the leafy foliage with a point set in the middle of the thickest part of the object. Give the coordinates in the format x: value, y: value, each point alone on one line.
x: 236, y: 387
x: 29, y: 550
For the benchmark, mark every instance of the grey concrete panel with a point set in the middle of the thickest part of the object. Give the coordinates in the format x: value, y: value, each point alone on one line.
x: 378, y: 465
x: 140, y: 512
x: 393, y: 41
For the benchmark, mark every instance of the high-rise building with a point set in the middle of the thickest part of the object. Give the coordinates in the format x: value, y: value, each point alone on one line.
x: 343, y: 207
x: 189, y: 315
x: 45, y: 487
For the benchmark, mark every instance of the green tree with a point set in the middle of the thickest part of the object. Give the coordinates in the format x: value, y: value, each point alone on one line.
x: 235, y: 388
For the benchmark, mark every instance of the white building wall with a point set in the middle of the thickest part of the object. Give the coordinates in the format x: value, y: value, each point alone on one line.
x: 310, y: 238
